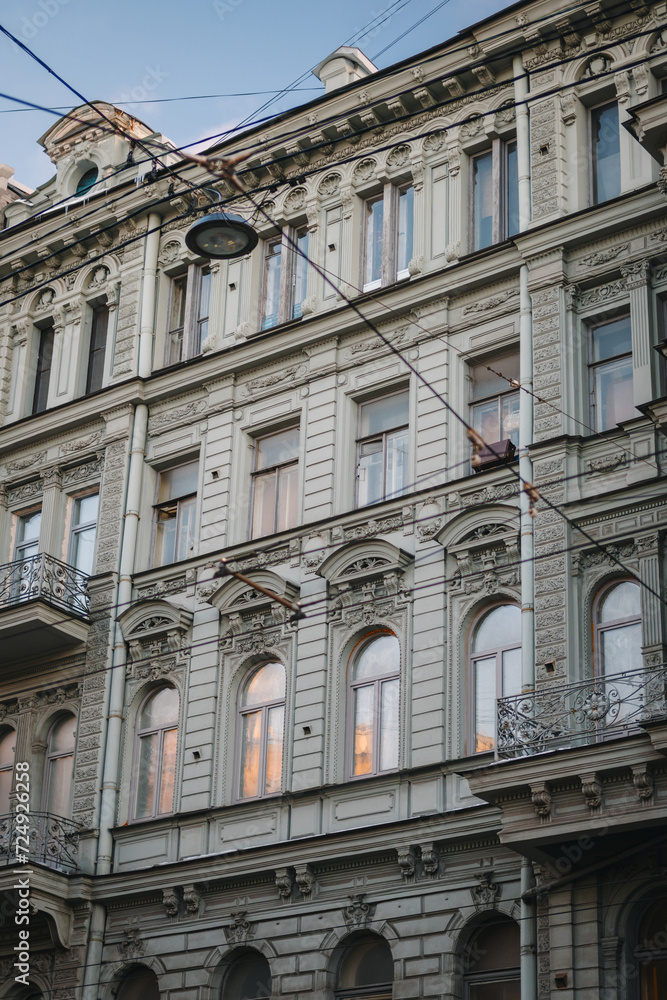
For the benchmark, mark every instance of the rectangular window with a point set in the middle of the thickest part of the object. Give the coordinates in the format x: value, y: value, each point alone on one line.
x: 285, y: 277
x: 175, y: 513
x: 83, y: 531
x: 187, y: 327
x: 494, y: 401
x: 605, y: 153
x: 27, y: 535
x: 382, y: 448
x: 43, y: 370
x: 611, y: 373
x: 275, y: 482
x: 388, y: 218
x: 495, y: 194
x: 97, y: 350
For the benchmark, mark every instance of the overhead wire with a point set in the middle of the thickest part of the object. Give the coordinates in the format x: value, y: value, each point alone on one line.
x: 412, y: 27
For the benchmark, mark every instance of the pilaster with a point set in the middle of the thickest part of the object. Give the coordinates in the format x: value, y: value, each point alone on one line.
x: 637, y: 278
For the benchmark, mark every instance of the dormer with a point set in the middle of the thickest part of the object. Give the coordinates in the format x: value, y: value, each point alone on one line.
x: 344, y: 66
x: 92, y: 142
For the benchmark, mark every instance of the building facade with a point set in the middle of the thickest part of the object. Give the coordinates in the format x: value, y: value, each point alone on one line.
x: 447, y: 779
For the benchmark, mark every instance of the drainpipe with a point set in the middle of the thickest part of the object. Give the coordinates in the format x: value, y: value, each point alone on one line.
x: 528, y: 930
x: 114, y: 728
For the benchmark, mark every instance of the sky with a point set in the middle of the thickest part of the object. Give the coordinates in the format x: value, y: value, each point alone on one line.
x: 149, y: 51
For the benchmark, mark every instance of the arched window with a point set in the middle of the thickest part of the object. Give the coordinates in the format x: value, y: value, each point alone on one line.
x: 495, y: 670
x: 262, y: 724
x: 617, y: 640
x: 7, y: 746
x: 373, y: 703
x: 247, y: 978
x: 366, y: 970
x: 157, y: 732
x: 86, y: 181
x: 492, y: 962
x: 651, y: 952
x: 60, y: 766
x: 139, y: 984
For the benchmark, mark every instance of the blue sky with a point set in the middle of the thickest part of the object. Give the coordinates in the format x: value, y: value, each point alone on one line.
x: 151, y: 50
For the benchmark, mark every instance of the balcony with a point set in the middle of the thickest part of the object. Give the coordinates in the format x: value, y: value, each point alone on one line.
x: 54, y: 841
x: 578, y: 714
x: 44, y: 607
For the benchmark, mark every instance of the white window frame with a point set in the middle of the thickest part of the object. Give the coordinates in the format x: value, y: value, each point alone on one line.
x: 376, y: 683
x: 360, y: 441
x: 191, y: 338
x: 291, y: 263
x: 263, y: 707
x: 136, y: 756
x: 485, y: 654
x: 390, y: 197
x: 276, y: 470
x: 592, y: 157
x: 500, y: 191
x: 158, y: 505
x: 77, y: 529
x: 593, y: 366
x: 52, y: 755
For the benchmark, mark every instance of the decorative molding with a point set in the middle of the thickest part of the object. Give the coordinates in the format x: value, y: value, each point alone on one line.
x: 192, y: 900
x: 132, y: 945
x: 642, y: 779
x: 491, y: 302
x: 485, y: 893
x: 591, y: 788
x: 540, y: 793
x: 305, y: 879
x: 285, y: 883
x: 432, y: 863
x: 240, y: 931
x: 171, y: 902
x: 407, y: 862
x: 291, y: 374
x: 358, y: 913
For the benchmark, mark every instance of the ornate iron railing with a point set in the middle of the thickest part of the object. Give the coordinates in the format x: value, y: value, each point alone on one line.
x: 42, y: 577
x: 53, y: 840
x: 573, y: 715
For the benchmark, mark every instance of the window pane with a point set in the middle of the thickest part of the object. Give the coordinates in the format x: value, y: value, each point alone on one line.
x: 275, y: 449
x: 487, y: 383
x: 7, y: 745
x: 160, y: 710
x: 510, y: 416
x: 406, y: 201
x: 268, y: 684
x: 374, y: 220
x: 389, y: 725
x: 85, y: 509
x: 59, y: 785
x: 512, y: 189
x: 28, y: 527
x: 370, y: 474
x: 397, y: 463
x: 5, y: 789
x: 83, y: 549
x: 368, y: 962
x: 622, y: 601
x: 501, y: 627
x: 263, y: 504
x: 485, y: 704
x: 612, y: 387
x: 286, y: 516
x: 177, y: 309
x: 272, y: 263
x: 507, y: 989
x: 204, y: 295
x: 274, y: 750
x: 511, y: 667
x: 363, y: 729
x: 148, y: 747
x: 606, y: 153
x: 621, y: 648
x: 380, y: 657
x: 249, y: 978
x: 186, y: 527
x: 383, y: 414
x: 612, y: 339
x: 250, y: 747
x: 98, y: 344
x: 178, y: 482
x: 486, y: 420
x: 63, y: 735
x: 482, y: 180
x: 43, y: 370
x: 165, y: 536
x: 300, y: 274
x: 168, y: 771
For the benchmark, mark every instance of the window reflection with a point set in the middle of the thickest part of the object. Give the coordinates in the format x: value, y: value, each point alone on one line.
x: 59, y: 766
x: 157, y: 733
x: 374, y: 704
x: 495, y: 669
x: 262, y: 711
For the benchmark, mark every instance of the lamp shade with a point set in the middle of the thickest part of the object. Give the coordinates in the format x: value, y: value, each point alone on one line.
x: 221, y: 235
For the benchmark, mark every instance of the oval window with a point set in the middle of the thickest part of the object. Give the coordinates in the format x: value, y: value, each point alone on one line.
x: 87, y: 180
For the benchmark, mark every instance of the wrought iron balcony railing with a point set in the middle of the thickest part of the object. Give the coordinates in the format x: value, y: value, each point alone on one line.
x: 574, y: 715
x: 41, y: 577
x: 53, y: 840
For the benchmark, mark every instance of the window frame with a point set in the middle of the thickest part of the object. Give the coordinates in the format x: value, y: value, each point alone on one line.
x: 77, y: 529
x: 191, y: 338
x: 21, y: 516
x: 351, y: 686
x: 6, y: 731
x: 594, y: 366
x: 136, y: 756
x: 174, y: 501
x: 496, y: 362
x: 390, y: 196
x: 360, y: 441
x: 96, y: 309
x: 256, y: 474
x: 263, y: 707
x: 290, y: 261
x: 42, y: 372
x: 592, y: 152
x: 471, y: 683
x: 500, y: 184
x: 52, y: 755
x: 598, y: 627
